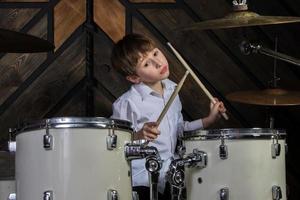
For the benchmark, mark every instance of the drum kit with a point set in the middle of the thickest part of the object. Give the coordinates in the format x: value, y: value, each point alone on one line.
x: 89, y: 158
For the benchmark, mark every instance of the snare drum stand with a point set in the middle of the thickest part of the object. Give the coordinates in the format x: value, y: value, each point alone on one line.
x: 153, y: 163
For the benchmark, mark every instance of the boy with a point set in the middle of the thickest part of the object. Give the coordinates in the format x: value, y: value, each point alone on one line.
x: 144, y: 65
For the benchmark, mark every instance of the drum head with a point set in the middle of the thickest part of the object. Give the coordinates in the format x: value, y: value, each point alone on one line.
x: 249, y: 133
x: 75, y: 122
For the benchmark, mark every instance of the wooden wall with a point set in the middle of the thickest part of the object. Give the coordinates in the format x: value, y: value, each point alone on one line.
x: 43, y: 85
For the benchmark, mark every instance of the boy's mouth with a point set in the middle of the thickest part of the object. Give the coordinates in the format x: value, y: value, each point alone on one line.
x: 164, y: 69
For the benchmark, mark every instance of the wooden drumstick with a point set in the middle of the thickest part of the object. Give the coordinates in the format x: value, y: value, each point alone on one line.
x: 171, y: 99
x: 195, y: 77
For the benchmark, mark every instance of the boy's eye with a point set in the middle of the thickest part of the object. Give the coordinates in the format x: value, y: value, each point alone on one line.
x: 155, y: 53
x: 146, y: 64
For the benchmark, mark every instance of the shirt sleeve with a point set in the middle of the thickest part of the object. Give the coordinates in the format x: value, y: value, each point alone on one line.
x: 186, y: 125
x: 124, y: 110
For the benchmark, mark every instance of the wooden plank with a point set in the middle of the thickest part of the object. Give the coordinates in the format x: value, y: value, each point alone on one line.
x: 110, y: 16
x: 15, y: 19
x: 104, y: 73
x: 68, y: 15
x: 48, y: 89
x: 75, y: 107
x: 15, y: 68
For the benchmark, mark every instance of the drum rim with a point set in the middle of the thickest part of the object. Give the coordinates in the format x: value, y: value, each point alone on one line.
x: 74, y: 122
x: 233, y: 133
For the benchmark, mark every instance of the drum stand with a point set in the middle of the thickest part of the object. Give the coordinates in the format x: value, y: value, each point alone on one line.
x: 175, y: 174
x: 153, y: 163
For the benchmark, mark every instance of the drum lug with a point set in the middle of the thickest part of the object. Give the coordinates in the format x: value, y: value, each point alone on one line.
x: 48, y: 195
x: 47, y: 139
x: 12, y: 196
x: 112, y: 195
x: 223, y: 150
x: 224, y: 194
x: 275, y: 147
x: 276, y: 192
x: 135, y: 195
x: 111, y: 142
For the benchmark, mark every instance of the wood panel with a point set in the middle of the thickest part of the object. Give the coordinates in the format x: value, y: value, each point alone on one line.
x: 68, y: 15
x: 104, y: 73
x: 15, y: 68
x: 110, y: 17
x: 7, y: 165
x: 48, y: 89
x: 75, y: 106
x: 15, y: 19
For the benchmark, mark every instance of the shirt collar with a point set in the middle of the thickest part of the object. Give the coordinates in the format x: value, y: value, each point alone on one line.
x: 144, y: 90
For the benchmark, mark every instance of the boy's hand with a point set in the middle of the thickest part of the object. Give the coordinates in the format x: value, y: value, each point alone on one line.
x: 215, y: 113
x: 149, y: 132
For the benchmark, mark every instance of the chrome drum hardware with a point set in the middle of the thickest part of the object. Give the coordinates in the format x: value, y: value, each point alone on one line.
x: 276, y: 193
x: 112, y: 195
x: 247, y: 162
x: 224, y: 194
x: 48, y: 195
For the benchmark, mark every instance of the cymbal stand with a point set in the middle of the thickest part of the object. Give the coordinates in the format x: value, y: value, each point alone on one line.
x: 273, y: 83
x: 175, y: 175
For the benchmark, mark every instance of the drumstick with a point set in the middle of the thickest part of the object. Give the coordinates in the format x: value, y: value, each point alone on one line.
x: 195, y: 77
x: 171, y: 99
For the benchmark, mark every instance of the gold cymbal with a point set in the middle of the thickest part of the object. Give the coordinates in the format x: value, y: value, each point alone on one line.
x: 268, y: 97
x: 240, y: 19
x: 15, y: 42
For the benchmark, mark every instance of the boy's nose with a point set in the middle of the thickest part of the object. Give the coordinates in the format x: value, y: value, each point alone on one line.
x: 158, y: 64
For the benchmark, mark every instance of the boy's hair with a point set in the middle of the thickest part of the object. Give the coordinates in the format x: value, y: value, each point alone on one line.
x: 127, y: 52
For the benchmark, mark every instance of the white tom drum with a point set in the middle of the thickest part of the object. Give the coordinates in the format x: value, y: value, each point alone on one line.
x: 243, y: 164
x: 73, y: 158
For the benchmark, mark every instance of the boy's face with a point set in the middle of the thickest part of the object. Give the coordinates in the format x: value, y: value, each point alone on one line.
x: 152, y: 67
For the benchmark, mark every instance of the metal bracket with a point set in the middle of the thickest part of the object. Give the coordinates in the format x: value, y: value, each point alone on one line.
x: 275, y: 146
x: 276, y: 192
x: 48, y: 195
x: 112, y: 195
x: 48, y: 139
x: 111, y: 139
x: 223, y: 150
x: 224, y: 194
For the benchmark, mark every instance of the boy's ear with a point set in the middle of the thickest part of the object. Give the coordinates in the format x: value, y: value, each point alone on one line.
x: 133, y: 78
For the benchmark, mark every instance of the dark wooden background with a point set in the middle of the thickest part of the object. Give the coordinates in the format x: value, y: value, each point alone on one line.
x: 44, y: 85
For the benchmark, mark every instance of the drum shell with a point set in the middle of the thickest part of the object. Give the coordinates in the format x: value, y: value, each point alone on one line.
x: 249, y: 172
x: 79, y: 166
x: 7, y: 187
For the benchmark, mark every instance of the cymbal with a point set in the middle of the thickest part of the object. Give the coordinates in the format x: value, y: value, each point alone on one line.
x: 15, y: 42
x: 241, y: 19
x: 268, y: 97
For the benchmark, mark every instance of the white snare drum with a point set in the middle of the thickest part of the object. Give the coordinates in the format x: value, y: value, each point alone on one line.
x: 242, y: 164
x: 73, y: 158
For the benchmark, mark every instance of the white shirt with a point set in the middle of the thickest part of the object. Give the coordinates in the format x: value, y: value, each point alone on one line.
x: 141, y: 104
